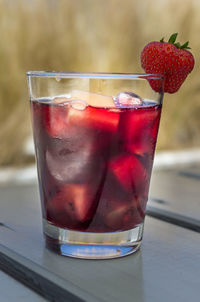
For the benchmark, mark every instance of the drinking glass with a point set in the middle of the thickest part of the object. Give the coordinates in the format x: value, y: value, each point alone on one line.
x: 95, y: 137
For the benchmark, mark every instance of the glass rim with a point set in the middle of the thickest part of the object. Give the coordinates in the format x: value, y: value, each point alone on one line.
x: 97, y: 75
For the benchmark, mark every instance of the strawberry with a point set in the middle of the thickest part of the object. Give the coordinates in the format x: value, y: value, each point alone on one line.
x: 170, y: 59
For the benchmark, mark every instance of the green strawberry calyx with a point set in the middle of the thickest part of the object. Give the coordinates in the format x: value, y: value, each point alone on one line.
x: 172, y: 40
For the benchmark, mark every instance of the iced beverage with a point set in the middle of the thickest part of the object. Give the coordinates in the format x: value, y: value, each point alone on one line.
x: 94, y: 157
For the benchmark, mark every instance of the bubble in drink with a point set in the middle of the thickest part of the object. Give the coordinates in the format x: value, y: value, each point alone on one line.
x: 128, y: 99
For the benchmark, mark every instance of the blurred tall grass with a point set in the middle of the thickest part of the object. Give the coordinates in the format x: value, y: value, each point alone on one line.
x: 91, y: 35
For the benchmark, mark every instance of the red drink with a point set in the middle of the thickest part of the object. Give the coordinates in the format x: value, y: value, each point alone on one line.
x: 94, y: 164
x: 95, y: 136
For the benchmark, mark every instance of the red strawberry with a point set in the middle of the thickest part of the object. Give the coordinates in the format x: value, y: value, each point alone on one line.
x: 169, y: 59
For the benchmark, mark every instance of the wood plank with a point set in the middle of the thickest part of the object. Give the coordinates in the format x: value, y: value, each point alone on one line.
x: 37, y: 278
x: 165, y: 269
x: 174, y: 218
x: 13, y: 291
x: 176, y: 192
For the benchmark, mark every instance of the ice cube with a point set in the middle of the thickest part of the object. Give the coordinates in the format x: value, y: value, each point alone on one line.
x: 78, y: 104
x: 122, y: 216
x: 55, y: 120
x: 74, y: 159
x: 129, y: 172
x: 93, y: 99
x: 76, y: 201
x: 68, y: 163
x: 127, y: 100
x: 113, y: 218
x: 63, y: 118
x: 138, y: 131
x: 61, y: 100
x: 82, y: 198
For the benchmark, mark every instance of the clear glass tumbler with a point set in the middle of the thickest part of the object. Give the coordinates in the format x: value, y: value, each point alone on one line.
x: 95, y: 136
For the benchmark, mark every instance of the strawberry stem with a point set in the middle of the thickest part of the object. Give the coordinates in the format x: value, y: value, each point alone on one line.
x: 172, y: 40
x: 173, y: 37
x: 185, y: 45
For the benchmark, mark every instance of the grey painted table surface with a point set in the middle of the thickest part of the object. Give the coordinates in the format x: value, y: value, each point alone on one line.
x: 13, y: 291
x: 176, y: 194
x: 167, y: 268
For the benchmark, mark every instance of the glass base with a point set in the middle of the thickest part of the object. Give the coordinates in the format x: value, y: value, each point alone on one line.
x: 87, y: 245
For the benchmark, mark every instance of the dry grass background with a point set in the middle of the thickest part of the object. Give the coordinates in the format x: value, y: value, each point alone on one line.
x: 92, y: 35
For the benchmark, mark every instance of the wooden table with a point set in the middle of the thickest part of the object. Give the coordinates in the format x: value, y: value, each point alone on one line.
x: 175, y: 196
x: 12, y: 290
x: 167, y: 268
